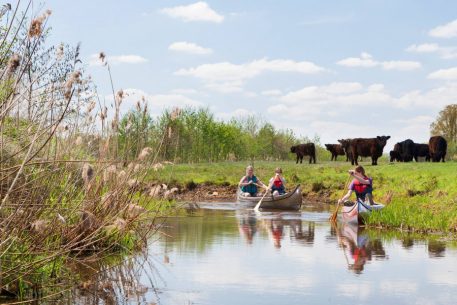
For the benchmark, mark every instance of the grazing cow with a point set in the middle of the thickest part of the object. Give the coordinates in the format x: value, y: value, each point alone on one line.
x: 304, y: 150
x: 421, y: 150
x: 438, y: 148
x: 395, y: 155
x: 336, y: 150
x: 371, y: 147
x: 407, y: 150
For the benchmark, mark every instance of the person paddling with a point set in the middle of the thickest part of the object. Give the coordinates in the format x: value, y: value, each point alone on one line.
x: 278, y: 183
x: 362, y: 185
x: 249, y: 183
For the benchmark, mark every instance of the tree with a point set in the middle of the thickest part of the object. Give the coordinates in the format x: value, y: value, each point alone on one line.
x: 446, y: 123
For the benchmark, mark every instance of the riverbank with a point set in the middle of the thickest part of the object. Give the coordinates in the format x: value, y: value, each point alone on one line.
x: 419, y: 196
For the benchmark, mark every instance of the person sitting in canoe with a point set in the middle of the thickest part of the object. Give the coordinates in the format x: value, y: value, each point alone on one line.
x: 278, y: 183
x: 249, y: 183
x: 362, y: 185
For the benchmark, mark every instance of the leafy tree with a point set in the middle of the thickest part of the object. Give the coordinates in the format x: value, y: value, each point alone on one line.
x: 446, y: 123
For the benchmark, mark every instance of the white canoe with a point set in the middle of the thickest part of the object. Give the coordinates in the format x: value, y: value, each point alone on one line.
x: 354, y: 212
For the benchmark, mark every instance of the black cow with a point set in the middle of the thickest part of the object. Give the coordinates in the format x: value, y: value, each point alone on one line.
x: 304, y: 150
x: 346, y: 144
x: 395, y: 155
x: 438, y: 148
x: 407, y: 150
x: 371, y: 147
x: 336, y: 150
x: 421, y: 150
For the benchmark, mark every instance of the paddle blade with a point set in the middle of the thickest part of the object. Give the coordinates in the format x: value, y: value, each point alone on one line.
x: 335, y: 214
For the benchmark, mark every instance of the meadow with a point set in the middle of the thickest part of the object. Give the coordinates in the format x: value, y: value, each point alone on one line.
x: 419, y: 196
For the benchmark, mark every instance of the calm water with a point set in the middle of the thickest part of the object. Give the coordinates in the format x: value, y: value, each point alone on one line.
x: 220, y: 256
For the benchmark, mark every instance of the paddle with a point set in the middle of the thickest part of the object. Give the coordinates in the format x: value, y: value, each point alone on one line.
x: 260, y: 201
x: 335, y: 214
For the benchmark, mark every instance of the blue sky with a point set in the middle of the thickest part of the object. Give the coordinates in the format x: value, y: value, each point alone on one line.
x: 332, y: 68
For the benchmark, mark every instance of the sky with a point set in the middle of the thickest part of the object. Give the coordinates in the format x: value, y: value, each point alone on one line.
x: 336, y: 69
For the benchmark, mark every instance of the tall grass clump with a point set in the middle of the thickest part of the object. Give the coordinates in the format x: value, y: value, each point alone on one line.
x: 67, y: 193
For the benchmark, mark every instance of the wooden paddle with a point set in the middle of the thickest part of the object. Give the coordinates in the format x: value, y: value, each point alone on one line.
x: 335, y: 214
x: 257, y: 206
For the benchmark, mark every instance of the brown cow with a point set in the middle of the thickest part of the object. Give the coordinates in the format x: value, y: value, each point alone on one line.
x: 421, y: 150
x: 371, y: 147
x: 336, y: 150
x: 304, y: 150
x: 438, y: 148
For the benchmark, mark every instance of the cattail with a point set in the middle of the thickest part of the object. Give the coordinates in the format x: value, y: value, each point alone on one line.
x: 110, y: 173
x: 169, y: 132
x: 120, y: 96
x: 59, y: 52
x: 175, y: 113
x: 90, y: 107
x: 138, y: 106
x: 102, y: 56
x: 36, y: 27
x: 104, y: 113
x: 14, y: 63
x: 121, y: 176
x: 145, y: 153
x: 79, y: 141
x: 157, y: 166
x: 137, y: 168
x: 75, y: 77
x: 87, y: 173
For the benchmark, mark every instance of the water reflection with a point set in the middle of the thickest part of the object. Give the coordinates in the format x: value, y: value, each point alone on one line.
x: 358, y: 248
x: 436, y: 248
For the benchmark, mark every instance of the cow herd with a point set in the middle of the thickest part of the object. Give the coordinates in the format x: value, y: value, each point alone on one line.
x: 404, y: 151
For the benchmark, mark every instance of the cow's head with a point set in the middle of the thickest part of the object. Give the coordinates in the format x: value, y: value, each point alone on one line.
x: 344, y: 142
x: 382, y: 140
x: 293, y: 149
x: 328, y: 146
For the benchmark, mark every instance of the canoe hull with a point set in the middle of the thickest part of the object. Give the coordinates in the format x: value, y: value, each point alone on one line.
x: 288, y: 201
x: 355, y: 213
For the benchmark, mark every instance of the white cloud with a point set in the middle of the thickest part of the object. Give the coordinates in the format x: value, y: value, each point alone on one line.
x: 156, y: 102
x: 237, y: 113
x: 423, y: 48
x: 448, y: 30
x: 115, y: 60
x: 273, y: 92
x: 228, y: 77
x: 448, y: 52
x: 189, y: 47
x: 199, y: 11
x: 366, y: 61
x: 445, y: 74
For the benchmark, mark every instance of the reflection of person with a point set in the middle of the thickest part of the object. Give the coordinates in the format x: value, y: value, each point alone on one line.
x: 249, y: 183
x: 276, y: 228
x: 248, y: 227
x: 361, y: 185
x: 278, y: 183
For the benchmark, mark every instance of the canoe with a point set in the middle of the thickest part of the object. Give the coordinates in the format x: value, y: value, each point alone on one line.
x: 289, y: 201
x: 354, y: 212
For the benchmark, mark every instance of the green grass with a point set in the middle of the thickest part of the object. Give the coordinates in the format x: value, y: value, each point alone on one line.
x: 424, y: 194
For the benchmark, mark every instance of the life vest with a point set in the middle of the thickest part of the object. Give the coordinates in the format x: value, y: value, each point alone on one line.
x: 278, y: 185
x: 251, y: 188
x: 360, y: 188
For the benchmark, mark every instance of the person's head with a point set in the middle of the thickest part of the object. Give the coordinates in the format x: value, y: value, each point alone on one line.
x: 359, y: 169
x: 249, y: 170
x: 278, y: 171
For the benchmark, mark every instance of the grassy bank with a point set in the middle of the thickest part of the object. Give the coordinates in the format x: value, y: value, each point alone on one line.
x: 423, y: 194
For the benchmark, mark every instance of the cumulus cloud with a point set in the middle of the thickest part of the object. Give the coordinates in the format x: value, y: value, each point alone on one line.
x: 444, y: 74
x: 366, y: 61
x: 447, y: 30
x: 229, y: 77
x: 273, y: 92
x: 448, y: 52
x: 199, y: 11
x: 189, y: 47
x: 116, y: 60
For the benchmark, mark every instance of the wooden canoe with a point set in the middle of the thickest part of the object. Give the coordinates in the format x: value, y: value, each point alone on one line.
x: 289, y: 201
x: 353, y: 212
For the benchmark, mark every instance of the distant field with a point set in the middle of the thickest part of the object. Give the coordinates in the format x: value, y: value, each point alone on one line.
x: 424, y: 194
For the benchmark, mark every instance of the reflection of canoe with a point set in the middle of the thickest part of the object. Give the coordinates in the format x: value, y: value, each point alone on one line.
x: 289, y: 201
x: 353, y: 212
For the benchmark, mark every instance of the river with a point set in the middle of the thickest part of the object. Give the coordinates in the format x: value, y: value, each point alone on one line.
x: 221, y: 255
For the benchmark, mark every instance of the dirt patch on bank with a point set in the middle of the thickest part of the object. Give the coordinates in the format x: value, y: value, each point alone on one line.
x: 213, y: 192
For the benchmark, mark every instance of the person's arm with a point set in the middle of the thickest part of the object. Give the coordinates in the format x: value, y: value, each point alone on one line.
x: 360, y: 178
x: 261, y: 184
x: 345, y: 197
x: 242, y: 183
